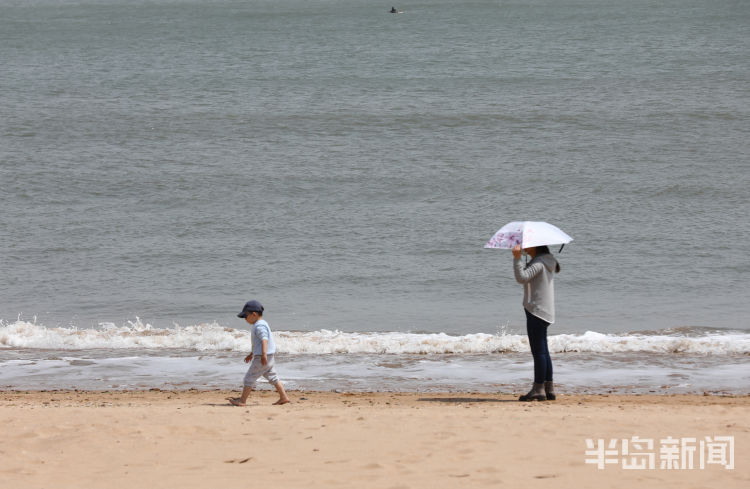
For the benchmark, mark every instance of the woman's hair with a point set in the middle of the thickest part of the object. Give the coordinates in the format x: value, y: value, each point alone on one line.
x: 544, y: 250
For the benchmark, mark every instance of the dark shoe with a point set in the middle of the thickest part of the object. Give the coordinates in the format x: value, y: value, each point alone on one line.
x: 549, y: 390
x: 535, y: 394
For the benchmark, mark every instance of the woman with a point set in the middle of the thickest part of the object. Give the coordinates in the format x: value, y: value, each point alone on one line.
x: 539, y: 304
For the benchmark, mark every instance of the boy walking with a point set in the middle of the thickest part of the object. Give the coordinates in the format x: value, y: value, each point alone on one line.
x: 261, y: 360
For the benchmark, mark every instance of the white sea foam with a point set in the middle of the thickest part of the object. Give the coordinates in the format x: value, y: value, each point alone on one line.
x: 214, y: 337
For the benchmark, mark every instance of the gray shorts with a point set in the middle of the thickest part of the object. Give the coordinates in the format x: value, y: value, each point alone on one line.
x: 257, y: 369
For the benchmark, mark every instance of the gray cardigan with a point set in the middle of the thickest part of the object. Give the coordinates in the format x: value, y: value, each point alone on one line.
x: 538, y: 285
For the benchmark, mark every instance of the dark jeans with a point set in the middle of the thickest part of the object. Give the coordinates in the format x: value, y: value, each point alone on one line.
x: 537, y: 331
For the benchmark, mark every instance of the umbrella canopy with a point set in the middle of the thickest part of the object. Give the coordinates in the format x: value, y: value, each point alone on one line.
x: 527, y: 234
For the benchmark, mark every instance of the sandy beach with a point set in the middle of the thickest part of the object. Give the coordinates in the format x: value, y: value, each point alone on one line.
x: 162, y: 439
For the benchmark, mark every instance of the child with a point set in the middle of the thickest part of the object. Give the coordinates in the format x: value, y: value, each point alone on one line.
x: 261, y: 359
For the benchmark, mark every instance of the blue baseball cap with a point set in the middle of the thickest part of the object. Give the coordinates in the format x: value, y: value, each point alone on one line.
x: 251, y: 306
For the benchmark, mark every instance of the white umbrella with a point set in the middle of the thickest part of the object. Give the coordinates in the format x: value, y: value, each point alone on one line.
x: 528, y: 234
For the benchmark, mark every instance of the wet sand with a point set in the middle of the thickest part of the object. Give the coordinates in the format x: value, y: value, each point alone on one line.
x: 195, y: 439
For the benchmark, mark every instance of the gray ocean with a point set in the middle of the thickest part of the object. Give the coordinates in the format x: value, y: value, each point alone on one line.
x: 163, y: 161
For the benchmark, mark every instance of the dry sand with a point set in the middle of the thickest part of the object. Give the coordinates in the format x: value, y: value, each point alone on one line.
x: 194, y: 439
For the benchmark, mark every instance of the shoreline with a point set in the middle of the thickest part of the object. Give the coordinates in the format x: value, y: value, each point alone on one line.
x: 195, y: 439
x: 267, y: 389
x: 502, y: 392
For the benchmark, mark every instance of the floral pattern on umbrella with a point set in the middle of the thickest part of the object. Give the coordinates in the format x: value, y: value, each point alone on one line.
x: 504, y: 240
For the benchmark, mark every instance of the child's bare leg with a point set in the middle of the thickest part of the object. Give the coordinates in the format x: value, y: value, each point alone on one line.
x: 245, y: 394
x: 283, y: 399
x: 242, y: 400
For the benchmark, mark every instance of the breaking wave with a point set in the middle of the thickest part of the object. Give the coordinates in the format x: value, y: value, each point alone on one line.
x: 214, y: 337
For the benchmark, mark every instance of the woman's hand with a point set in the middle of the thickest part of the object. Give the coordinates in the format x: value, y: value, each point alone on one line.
x: 516, y: 252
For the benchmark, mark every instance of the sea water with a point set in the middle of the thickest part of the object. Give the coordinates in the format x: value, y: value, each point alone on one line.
x: 162, y: 162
